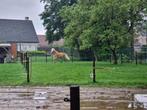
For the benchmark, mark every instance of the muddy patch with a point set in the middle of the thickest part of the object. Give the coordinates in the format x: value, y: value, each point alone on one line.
x: 52, y: 98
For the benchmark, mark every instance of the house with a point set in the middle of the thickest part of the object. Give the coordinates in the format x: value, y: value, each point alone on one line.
x: 19, y: 34
x: 139, y: 42
x: 43, y: 43
x: 58, y: 43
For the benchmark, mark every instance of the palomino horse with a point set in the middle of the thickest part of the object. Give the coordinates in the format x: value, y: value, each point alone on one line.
x: 59, y: 55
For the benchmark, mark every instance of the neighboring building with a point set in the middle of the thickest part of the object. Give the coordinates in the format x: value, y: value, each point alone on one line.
x: 139, y: 42
x: 58, y: 43
x: 43, y: 43
x: 20, y: 34
x: 141, y: 38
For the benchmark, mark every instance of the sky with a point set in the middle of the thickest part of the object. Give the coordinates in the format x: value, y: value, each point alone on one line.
x: 19, y: 9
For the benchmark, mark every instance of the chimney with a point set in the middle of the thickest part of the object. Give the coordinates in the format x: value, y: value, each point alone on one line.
x: 26, y: 18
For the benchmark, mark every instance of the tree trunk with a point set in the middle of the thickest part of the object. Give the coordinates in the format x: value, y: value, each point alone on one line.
x: 95, y: 56
x: 114, y: 54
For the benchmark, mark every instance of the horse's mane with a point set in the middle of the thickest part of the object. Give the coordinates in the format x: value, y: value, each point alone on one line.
x: 53, y: 50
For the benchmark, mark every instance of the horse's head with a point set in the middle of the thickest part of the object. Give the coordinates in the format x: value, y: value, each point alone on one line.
x: 52, y: 50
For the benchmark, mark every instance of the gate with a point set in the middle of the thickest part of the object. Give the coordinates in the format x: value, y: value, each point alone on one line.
x: 25, y: 61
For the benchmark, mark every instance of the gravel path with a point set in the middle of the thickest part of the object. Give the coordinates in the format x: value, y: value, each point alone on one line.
x: 52, y: 98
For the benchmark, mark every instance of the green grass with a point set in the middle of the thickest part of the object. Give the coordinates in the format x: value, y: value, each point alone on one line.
x: 12, y: 74
x: 68, y: 73
x: 60, y: 73
x: 125, y: 75
x: 41, y: 59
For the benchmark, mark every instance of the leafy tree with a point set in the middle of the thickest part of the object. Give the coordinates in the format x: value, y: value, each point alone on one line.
x: 102, y: 24
x: 52, y: 20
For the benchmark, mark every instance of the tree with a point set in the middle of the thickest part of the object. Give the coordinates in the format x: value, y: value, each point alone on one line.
x: 102, y: 24
x: 51, y: 19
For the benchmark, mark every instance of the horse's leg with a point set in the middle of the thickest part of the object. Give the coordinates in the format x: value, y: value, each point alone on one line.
x: 64, y: 58
x: 60, y: 60
x: 54, y: 59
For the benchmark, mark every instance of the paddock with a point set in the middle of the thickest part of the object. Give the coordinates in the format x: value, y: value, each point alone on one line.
x: 49, y: 84
x: 77, y: 72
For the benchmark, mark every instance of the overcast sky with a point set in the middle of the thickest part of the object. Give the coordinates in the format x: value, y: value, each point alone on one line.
x: 19, y: 9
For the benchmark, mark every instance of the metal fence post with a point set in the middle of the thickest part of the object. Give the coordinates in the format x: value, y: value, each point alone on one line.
x: 28, y: 69
x: 46, y: 57
x: 74, y: 98
x: 136, y: 59
x: 110, y: 58
x: 71, y: 51
x: 94, y: 75
x: 121, y: 58
x: 21, y: 58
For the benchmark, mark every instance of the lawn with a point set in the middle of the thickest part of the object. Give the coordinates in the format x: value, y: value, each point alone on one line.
x: 123, y: 75
x: 12, y: 74
x: 68, y: 73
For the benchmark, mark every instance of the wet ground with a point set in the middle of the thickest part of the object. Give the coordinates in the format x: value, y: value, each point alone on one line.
x: 52, y: 98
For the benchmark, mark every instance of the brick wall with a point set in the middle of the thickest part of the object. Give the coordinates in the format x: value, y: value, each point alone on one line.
x: 14, y: 50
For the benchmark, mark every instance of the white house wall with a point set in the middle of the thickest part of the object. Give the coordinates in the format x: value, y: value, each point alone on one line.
x: 27, y: 47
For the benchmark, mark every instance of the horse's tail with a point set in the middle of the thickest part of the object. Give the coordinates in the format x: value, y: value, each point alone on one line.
x: 67, y: 57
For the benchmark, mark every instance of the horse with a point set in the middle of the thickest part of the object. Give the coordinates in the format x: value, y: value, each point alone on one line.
x: 59, y: 55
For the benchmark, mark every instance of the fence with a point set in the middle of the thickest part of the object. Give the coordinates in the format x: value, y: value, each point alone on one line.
x: 45, y: 56
x: 40, y: 57
x: 25, y: 61
x: 125, y: 55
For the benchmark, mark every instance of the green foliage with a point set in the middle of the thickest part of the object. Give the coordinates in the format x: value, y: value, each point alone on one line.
x: 102, y: 24
x: 52, y: 20
x: 37, y: 52
x: 125, y: 58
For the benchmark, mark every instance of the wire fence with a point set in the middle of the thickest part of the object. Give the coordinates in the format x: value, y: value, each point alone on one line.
x: 126, y: 55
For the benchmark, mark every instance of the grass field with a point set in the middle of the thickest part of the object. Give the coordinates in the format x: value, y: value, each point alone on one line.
x: 125, y: 75
x: 12, y: 74
x: 44, y: 74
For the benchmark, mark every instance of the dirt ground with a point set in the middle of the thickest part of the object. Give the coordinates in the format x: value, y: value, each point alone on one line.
x: 52, y: 98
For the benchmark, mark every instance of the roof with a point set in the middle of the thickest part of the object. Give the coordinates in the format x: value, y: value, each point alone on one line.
x: 42, y: 41
x: 18, y: 31
x: 5, y: 45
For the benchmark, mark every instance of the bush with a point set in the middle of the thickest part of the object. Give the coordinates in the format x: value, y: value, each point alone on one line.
x: 37, y: 52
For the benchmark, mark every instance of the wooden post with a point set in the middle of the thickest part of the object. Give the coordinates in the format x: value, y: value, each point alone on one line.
x: 74, y: 98
x: 94, y: 75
